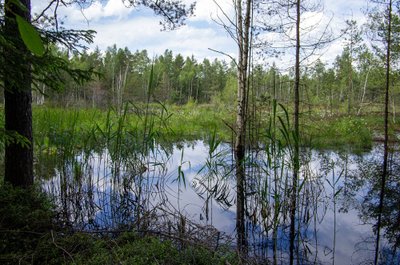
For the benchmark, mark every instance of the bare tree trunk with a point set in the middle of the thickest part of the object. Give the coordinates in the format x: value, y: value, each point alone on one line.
x: 351, y: 92
x: 93, y: 95
x: 364, y: 91
x: 243, y: 32
x: 18, y: 99
x: 393, y: 110
x: 386, y: 140
x: 296, y: 154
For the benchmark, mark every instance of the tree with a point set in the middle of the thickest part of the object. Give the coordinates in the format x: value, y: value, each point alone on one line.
x: 118, y: 64
x: 18, y: 75
x: 384, y: 26
x: 343, y: 67
x: 286, y: 19
x: 239, y: 29
x: 173, y: 12
x: 138, y: 79
x: 17, y: 96
x: 366, y: 63
x: 353, y: 44
x: 25, y: 63
x: 164, y: 74
x: 243, y: 20
x: 296, y: 155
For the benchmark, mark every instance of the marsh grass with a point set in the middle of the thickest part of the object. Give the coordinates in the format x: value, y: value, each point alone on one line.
x: 89, y: 129
x: 354, y: 133
x: 213, y: 181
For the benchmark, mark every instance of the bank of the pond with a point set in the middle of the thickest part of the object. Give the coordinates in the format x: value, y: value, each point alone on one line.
x: 85, y: 128
x: 32, y: 233
x: 172, y: 123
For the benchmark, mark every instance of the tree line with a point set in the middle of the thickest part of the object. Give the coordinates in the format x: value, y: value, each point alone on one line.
x: 351, y: 84
x: 359, y: 77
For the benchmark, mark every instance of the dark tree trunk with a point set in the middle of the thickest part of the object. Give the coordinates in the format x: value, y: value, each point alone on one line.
x: 296, y: 153
x: 386, y: 140
x: 18, y: 99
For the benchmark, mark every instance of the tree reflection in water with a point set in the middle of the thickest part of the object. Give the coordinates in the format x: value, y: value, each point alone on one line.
x: 366, y: 179
x: 141, y: 192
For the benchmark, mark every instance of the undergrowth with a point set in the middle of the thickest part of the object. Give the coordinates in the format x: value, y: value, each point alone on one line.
x: 86, y: 128
x: 30, y: 233
x: 347, y: 132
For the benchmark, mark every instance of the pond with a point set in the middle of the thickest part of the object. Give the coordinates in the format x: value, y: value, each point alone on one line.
x: 188, y: 189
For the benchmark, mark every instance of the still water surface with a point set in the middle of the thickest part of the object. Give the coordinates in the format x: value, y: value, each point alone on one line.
x: 187, y: 185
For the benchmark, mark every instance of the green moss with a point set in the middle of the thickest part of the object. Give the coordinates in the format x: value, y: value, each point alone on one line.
x: 26, y: 216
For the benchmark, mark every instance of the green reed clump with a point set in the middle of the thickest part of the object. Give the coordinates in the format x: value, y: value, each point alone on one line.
x: 64, y: 130
x: 340, y: 132
x: 135, y: 125
x: 192, y: 122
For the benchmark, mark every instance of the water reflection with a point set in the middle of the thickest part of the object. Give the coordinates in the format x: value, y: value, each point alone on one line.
x: 188, y: 188
x: 367, y: 179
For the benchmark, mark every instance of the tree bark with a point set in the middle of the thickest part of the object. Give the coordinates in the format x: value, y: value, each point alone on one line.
x: 296, y: 154
x: 364, y: 91
x: 243, y: 32
x: 386, y: 137
x: 18, y: 100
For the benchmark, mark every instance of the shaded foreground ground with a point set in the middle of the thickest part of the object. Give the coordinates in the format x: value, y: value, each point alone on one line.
x: 31, y: 233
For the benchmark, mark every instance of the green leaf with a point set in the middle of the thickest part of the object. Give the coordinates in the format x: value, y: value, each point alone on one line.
x: 30, y: 36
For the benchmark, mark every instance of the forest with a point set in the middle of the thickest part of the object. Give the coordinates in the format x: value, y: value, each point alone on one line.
x: 352, y: 86
x: 272, y: 156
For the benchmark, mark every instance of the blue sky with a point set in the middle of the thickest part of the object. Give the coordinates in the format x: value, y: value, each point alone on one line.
x: 137, y: 28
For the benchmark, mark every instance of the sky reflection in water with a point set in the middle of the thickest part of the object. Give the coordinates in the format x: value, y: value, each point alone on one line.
x: 96, y: 193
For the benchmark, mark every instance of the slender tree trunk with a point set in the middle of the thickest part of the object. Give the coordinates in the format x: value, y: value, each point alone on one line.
x: 364, y: 90
x: 197, y: 92
x: 243, y: 32
x: 296, y: 154
x: 18, y: 100
x: 386, y: 140
x: 351, y: 92
x: 124, y: 82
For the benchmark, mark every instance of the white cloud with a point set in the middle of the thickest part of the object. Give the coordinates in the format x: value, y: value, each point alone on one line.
x: 117, y: 9
x: 345, y: 8
x: 207, y: 10
x: 138, y: 28
x: 144, y: 33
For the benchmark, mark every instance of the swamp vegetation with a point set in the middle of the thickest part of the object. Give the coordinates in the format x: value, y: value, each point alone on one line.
x: 132, y: 160
x: 168, y: 174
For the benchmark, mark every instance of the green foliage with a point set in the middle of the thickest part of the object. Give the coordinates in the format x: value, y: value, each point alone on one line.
x: 339, y: 133
x: 30, y: 36
x: 26, y: 216
x: 69, y: 131
x: 7, y: 137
